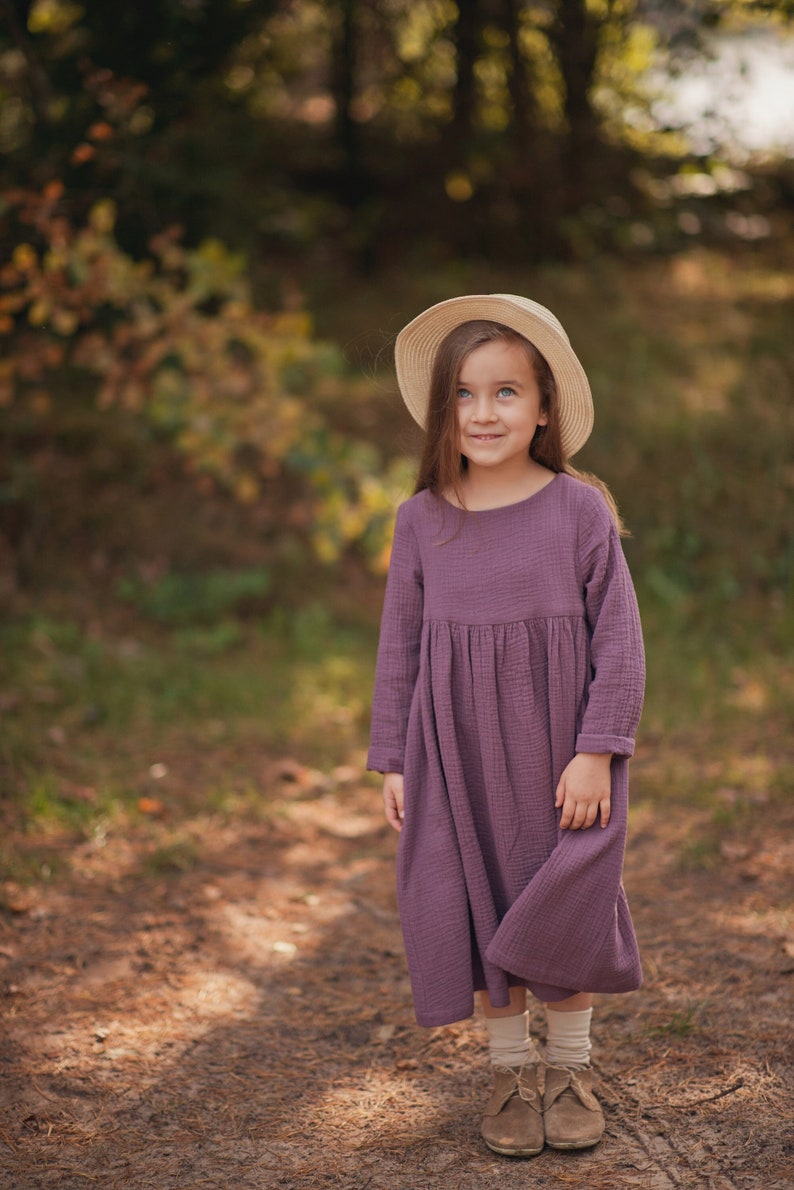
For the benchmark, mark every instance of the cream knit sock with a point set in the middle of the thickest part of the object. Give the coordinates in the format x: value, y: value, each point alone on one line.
x: 568, y: 1038
x: 509, y: 1043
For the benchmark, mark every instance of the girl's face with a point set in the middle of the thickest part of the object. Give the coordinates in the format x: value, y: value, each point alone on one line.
x: 499, y: 406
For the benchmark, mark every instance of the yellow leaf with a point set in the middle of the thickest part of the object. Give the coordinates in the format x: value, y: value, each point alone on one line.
x: 246, y: 489
x: 65, y: 322
x: 24, y: 258
x: 55, y: 260
x: 102, y: 216
x: 382, y: 559
x: 39, y: 312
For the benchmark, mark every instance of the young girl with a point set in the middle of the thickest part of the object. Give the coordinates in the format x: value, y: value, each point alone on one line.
x: 508, y: 689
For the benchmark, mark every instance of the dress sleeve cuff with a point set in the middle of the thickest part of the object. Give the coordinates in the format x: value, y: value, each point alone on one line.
x: 384, y: 762
x: 618, y: 745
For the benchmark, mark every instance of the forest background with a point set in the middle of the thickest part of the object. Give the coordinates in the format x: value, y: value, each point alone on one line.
x: 215, y: 215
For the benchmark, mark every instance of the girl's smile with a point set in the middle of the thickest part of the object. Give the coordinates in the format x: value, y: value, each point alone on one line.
x: 499, y: 406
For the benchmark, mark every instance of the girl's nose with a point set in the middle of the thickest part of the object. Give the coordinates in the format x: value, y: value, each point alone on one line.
x: 483, y: 408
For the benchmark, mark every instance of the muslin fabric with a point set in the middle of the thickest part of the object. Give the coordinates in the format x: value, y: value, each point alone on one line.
x: 510, y: 640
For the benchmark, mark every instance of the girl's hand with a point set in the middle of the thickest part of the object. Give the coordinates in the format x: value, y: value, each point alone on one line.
x: 393, y: 796
x: 584, y: 790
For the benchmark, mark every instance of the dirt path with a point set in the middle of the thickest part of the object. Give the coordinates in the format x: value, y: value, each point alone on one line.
x: 247, y: 1023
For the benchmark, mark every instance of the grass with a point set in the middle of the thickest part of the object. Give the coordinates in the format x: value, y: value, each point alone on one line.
x: 286, y: 672
x: 88, y: 720
x: 680, y: 1025
x: 173, y: 857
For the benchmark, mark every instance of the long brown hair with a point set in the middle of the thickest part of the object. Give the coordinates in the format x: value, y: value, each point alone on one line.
x: 442, y: 466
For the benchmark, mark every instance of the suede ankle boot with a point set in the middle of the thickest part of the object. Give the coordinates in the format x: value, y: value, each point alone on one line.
x: 572, y: 1116
x: 513, y: 1120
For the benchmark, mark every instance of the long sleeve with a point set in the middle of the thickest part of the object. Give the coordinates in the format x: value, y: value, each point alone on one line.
x: 398, y: 651
x: 617, y: 657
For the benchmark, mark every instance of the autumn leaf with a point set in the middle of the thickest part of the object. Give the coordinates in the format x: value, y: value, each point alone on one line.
x: 82, y: 153
x: 151, y: 806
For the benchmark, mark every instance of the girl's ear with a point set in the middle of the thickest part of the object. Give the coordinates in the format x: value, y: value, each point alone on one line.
x: 543, y: 417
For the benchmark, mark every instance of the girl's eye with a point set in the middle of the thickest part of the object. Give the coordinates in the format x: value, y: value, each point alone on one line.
x: 463, y: 394
x: 506, y: 392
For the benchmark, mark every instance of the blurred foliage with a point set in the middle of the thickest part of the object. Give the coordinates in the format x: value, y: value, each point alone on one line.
x: 349, y: 131
x: 175, y: 337
x: 176, y: 176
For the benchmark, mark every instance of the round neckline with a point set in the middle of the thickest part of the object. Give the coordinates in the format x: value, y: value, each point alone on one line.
x: 503, y: 507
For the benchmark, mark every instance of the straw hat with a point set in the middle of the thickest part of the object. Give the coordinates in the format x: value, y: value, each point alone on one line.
x: 418, y: 342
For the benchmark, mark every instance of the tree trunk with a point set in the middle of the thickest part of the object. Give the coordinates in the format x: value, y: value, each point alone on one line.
x: 574, y: 37
x: 521, y: 97
x: 466, y: 37
x: 343, y: 87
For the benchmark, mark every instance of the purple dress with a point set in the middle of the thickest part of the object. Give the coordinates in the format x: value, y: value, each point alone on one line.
x: 510, y: 641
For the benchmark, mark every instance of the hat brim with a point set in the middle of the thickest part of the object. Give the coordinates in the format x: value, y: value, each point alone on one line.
x: 417, y: 344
